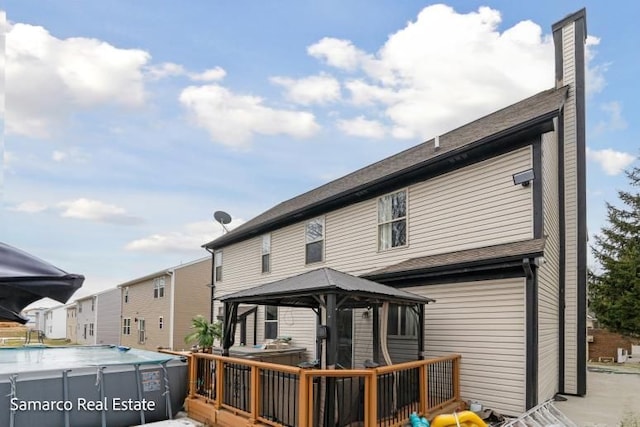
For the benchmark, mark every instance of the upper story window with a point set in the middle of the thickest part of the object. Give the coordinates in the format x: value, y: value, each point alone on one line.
x: 392, y: 220
x: 266, y: 253
x: 80, y: 307
x: 217, y: 258
x: 314, y: 239
x: 126, y: 295
x: 93, y: 304
x: 158, y: 287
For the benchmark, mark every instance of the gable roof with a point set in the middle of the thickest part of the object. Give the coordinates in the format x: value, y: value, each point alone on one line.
x: 165, y: 272
x: 531, y: 112
x: 304, y: 289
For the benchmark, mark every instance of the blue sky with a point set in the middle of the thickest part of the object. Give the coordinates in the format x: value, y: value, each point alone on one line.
x: 127, y: 124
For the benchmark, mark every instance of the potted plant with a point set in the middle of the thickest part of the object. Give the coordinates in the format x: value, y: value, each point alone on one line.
x: 204, y: 333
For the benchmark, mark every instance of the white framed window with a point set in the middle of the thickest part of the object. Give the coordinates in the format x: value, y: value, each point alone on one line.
x: 126, y: 326
x: 90, y: 329
x: 142, y: 337
x: 93, y: 304
x: 392, y: 220
x: 80, y: 308
x: 158, y: 287
x: 160, y: 322
x: 314, y: 240
x: 217, y: 258
x: 270, y: 322
x: 402, y: 321
x: 126, y: 295
x: 266, y: 253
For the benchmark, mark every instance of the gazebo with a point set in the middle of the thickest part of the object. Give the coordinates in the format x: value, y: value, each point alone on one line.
x: 325, y: 291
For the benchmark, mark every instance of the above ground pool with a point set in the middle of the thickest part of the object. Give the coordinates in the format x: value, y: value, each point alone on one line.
x: 89, y: 386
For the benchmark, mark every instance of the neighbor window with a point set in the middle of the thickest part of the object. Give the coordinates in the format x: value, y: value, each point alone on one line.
x: 160, y: 322
x: 402, y: 321
x: 126, y: 295
x: 90, y: 329
x: 217, y: 257
x: 270, y: 322
x: 80, y: 308
x: 266, y: 253
x: 141, y: 331
x: 126, y: 326
x: 93, y: 304
x: 314, y: 238
x: 392, y: 220
x: 158, y: 287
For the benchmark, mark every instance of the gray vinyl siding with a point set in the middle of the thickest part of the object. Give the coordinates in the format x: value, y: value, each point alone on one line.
x: 571, y: 213
x: 475, y: 206
x: 86, y: 316
x: 108, y: 317
x: 548, y: 274
x: 483, y: 321
x: 362, y: 337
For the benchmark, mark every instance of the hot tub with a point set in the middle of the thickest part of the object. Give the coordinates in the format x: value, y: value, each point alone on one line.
x: 88, y: 386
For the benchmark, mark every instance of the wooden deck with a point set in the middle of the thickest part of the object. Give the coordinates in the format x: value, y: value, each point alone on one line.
x: 225, y: 391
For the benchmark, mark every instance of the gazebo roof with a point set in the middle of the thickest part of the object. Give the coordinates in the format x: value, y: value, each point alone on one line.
x: 304, y: 290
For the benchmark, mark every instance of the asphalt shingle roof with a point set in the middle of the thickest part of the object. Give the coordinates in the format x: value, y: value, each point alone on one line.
x: 504, y: 121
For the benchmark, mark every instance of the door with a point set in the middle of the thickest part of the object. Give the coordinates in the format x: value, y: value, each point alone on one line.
x: 345, y: 339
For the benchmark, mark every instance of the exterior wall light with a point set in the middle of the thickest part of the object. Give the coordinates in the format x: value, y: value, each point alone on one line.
x: 523, y: 178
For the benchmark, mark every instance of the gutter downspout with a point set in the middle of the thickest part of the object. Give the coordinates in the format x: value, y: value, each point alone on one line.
x: 172, y: 306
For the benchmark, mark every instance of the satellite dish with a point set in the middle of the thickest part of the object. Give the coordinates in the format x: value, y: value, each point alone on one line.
x: 223, y: 218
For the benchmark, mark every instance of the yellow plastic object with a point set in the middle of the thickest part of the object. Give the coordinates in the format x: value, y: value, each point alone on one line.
x: 464, y: 419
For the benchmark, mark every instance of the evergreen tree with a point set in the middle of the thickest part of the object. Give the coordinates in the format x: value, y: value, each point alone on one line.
x: 615, y: 292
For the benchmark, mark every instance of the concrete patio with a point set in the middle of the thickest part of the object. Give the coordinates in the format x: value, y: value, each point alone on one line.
x: 613, y: 394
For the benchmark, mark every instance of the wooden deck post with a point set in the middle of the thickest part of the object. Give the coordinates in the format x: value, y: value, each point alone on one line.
x: 193, y: 375
x: 219, y: 382
x: 371, y: 396
x: 255, y: 388
x: 424, y: 389
x: 456, y: 378
x: 303, y: 400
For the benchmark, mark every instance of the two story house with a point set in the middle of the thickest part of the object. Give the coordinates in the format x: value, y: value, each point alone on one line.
x: 98, y: 318
x: 157, y: 308
x: 488, y: 219
x: 55, y: 322
x: 72, y: 322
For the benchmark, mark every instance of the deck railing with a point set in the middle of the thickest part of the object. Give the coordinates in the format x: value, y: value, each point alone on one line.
x: 281, y: 395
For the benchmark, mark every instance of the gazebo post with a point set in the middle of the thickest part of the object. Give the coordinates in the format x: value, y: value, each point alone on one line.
x: 421, y: 331
x: 331, y: 357
x: 376, y: 333
x: 229, y: 331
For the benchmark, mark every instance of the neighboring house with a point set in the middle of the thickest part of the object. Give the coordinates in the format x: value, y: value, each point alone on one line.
x: 86, y: 320
x: 55, y: 322
x: 108, y: 316
x: 72, y: 322
x: 488, y: 219
x: 157, y: 309
x: 98, y: 318
x: 35, y: 318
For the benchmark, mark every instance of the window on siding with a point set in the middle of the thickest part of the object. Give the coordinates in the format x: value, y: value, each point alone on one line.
x: 218, y: 265
x: 314, y: 237
x: 93, y: 304
x: 392, y: 220
x: 158, y: 287
x: 126, y: 295
x: 402, y: 321
x: 90, y: 329
x: 126, y: 326
x: 270, y: 322
x: 266, y: 253
x: 160, y: 322
x: 80, y: 308
x: 142, y: 336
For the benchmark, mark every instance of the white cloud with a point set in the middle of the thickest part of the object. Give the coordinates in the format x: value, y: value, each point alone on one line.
x: 319, y: 89
x: 611, y: 161
x: 30, y: 207
x: 594, y: 77
x: 190, y: 239
x: 362, y: 127
x: 70, y: 155
x: 444, y: 69
x: 166, y: 69
x: 211, y: 75
x: 50, y: 78
x: 614, y: 120
x: 233, y: 119
x: 95, y: 210
x: 58, y: 156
